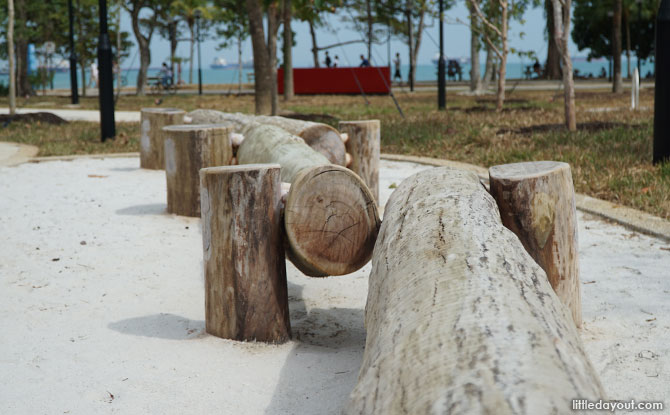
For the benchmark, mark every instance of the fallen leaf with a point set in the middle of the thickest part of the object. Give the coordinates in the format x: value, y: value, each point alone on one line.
x: 589, y: 282
x: 650, y: 319
x: 55, y: 259
x: 96, y: 176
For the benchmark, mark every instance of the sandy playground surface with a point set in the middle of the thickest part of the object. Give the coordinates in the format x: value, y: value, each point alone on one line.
x: 102, y: 306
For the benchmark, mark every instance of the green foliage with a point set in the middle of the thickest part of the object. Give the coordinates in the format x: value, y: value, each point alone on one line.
x: 592, y: 26
x: 232, y: 22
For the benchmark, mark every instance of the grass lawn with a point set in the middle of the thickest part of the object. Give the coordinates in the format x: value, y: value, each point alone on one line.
x: 610, y: 155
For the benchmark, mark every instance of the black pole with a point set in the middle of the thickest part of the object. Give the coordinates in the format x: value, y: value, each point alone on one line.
x: 73, y: 58
x: 441, y: 81
x: 639, y: 19
x: 197, y: 21
x: 662, y: 78
x: 106, y: 83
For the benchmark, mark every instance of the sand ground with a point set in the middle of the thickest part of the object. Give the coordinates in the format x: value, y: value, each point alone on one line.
x: 102, y: 306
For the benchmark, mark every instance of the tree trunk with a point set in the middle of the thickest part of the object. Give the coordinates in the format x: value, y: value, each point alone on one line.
x: 502, y: 71
x: 10, y: 53
x: 152, y: 143
x: 417, y: 43
x: 189, y: 148
x: 315, y: 47
x: 82, y: 65
x: 143, y: 43
x: 263, y: 84
x: 288, y: 52
x: 190, y: 59
x: 537, y: 203
x: 320, y: 137
x: 561, y: 34
x: 552, y: 68
x: 475, y: 70
x: 173, y: 48
x: 617, y: 83
x: 459, y: 318
x: 273, y: 30
x: 489, y: 69
x: 331, y: 219
x: 410, y: 44
x: 364, y: 146
x: 239, y: 64
x: 370, y: 22
x: 246, y: 295
x: 627, y: 23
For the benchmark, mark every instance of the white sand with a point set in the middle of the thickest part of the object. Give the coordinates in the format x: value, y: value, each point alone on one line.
x: 123, y: 314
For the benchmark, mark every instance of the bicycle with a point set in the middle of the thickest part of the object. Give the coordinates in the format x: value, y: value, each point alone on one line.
x: 157, y: 86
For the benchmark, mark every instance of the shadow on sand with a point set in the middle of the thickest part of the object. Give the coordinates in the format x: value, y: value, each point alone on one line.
x: 163, y: 326
x: 141, y: 210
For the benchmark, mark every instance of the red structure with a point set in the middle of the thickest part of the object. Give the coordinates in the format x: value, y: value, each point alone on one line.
x: 370, y: 80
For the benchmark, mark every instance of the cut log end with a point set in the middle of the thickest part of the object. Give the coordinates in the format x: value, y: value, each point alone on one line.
x: 331, y: 221
x: 327, y: 141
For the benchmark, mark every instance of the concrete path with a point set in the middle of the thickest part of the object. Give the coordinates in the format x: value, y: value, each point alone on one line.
x: 80, y: 115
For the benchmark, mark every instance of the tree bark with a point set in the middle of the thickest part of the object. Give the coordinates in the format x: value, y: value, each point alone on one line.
x: 288, y: 52
x: 489, y: 69
x: 410, y: 44
x: 331, y: 219
x: 617, y: 82
x: 273, y: 29
x: 502, y: 71
x: 152, y: 142
x: 364, y: 146
x: 190, y: 60
x: 263, y: 84
x: 370, y: 23
x: 552, y: 67
x: 475, y: 70
x: 315, y: 48
x: 23, y: 86
x: 10, y: 53
x: 320, y: 137
x: 143, y: 43
x: 626, y: 18
x: 459, y: 318
x: 561, y: 34
x: 245, y: 271
x: 189, y: 148
x: 537, y: 203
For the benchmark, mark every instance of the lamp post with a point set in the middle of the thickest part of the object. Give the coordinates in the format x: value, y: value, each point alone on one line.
x: 662, y: 89
x: 73, y: 58
x: 441, y: 81
x: 106, y: 83
x: 197, y: 24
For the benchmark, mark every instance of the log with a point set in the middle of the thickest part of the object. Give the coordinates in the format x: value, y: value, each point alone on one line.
x: 189, y: 148
x: 151, y: 140
x: 321, y: 137
x: 363, y: 143
x: 459, y: 318
x: 537, y: 203
x: 245, y: 270
x: 331, y: 219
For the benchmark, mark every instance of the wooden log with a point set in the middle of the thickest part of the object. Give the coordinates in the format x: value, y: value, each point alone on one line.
x: 321, y: 137
x: 537, y: 203
x: 363, y: 143
x: 245, y: 271
x: 331, y: 218
x: 459, y: 318
x: 189, y: 148
x: 152, y: 148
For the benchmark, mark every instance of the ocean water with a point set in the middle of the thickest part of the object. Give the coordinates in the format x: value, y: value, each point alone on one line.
x: 427, y: 72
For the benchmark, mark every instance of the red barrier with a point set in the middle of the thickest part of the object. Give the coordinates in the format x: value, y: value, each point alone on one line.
x: 371, y: 80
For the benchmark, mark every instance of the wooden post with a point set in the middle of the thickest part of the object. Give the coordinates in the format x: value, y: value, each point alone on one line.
x: 459, y: 318
x: 245, y: 271
x: 331, y: 218
x: 322, y: 138
x: 189, y: 148
x: 537, y: 203
x: 151, y: 140
x: 364, y: 146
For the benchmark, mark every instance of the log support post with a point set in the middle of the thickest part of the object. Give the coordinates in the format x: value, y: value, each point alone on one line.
x: 151, y: 135
x: 245, y: 270
x: 189, y: 148
x: 364, y: 147
x: 537, y: 203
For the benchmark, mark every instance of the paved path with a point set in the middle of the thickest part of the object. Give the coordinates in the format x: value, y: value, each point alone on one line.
x: 12, y: 154
x: 80, y: 115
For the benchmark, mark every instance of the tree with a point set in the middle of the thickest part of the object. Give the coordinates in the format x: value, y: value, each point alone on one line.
x: 10, y: 52
x: 617, y: 84
x: 561, y: 10
x: 552, y: 67
x: 232, y: 26
x: 287, y: 8
x: 265, y: 55
x: 475, y: 71
x: 188, y: 10
x: 312, y: 12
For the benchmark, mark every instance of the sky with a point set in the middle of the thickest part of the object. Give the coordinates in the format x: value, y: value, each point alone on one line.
x: 456, y: 38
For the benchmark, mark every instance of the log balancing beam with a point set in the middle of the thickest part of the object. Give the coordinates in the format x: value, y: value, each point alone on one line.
x: 363, y: 144
x: 151, y: 139
x: 537, y: 203
x: 189, y: 148
x: 245, y: 268
x: 459, y: 318
x: 321, y: 137
x: 330, y: 218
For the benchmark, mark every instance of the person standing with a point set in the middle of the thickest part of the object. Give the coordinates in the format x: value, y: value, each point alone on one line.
x: 396, y: 62
x: 328, y: 61
x: 364, y: 62
x: 336, y: 61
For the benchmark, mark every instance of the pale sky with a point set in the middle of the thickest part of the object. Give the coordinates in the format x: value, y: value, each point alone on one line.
x: 457, y: 42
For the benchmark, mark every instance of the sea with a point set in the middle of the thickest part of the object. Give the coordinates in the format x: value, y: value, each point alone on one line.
x: 424, y: 73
